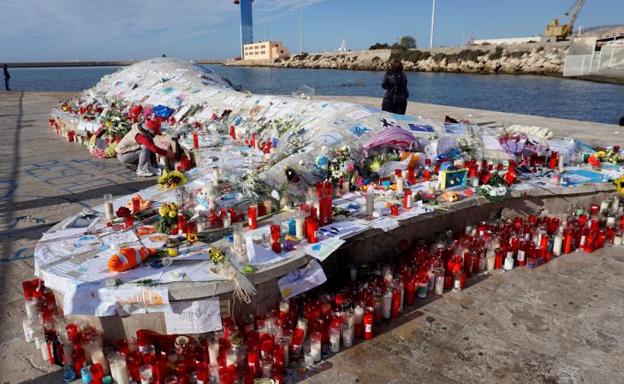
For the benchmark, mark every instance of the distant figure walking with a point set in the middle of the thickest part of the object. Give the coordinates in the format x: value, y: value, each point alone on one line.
x: 7, y: 76
x: 395, y: 84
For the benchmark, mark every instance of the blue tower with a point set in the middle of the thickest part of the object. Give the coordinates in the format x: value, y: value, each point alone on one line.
x: 246, y: 22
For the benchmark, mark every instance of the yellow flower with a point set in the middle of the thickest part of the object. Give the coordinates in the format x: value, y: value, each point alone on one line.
x: 192, y: 238
x: 163, y: 210
x: 172, y: 214
x: 619, y: 185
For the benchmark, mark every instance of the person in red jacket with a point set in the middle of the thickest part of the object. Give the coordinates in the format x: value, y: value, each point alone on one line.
x: 137, y: 148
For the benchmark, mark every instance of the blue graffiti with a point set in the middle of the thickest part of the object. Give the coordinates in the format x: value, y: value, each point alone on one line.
x: 20, y: 254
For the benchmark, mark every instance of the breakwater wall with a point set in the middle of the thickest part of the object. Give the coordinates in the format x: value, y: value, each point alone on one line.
x: 543, y: 59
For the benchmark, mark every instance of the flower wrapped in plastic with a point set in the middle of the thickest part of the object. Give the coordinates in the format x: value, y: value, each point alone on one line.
x: 172, y: 179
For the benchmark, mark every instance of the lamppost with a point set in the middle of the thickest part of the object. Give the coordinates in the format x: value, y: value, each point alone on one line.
x: 432, y: 24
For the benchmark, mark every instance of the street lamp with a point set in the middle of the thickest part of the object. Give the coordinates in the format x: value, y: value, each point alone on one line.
x: 432, y: 24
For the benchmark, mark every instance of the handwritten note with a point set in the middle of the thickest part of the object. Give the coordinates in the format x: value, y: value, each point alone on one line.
x: 192, y: 317
x: 302, y: 280
x: 323, y: 249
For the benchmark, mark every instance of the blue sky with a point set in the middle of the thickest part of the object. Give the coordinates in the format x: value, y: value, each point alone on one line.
x: 34, y: 30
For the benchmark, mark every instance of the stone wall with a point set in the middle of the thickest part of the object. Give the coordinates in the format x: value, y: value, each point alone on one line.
x: 545, y: 59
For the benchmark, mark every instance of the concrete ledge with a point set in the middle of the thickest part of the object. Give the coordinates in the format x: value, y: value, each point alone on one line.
x: 370, y: 246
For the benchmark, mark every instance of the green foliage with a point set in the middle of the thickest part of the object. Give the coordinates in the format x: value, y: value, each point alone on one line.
x: 407, y: 42
x: 439, y: 56
x: 517, y: 54
x: 379, y: 46
x: 412, y: 55
x: 301, y: 56
x: 497, y: 54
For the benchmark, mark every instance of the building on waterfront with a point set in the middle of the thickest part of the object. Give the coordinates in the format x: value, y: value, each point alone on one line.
x: 506, y: 41
x: 264, y: 50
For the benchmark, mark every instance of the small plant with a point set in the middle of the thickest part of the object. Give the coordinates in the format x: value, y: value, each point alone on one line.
x: 497, y: 54
x: 439, y: 56
x: 517, y: 54
x: 301, y: 56
x: 379, y: 46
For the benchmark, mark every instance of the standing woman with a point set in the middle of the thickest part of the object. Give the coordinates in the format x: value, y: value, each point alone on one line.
x: 7, y: 76
x: 395, y: 84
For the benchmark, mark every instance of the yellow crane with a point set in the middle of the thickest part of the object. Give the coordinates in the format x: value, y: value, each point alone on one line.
x: 563, y: 31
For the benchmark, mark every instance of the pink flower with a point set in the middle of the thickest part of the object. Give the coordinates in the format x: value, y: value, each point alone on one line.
x: 350, y: 166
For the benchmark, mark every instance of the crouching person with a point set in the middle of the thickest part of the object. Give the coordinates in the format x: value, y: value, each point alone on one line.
x: 137, y: 149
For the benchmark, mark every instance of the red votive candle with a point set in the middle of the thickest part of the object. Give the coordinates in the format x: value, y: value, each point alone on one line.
x: 368, y: 320
x: 252, y: 213
x: 394, y: 210
x: 136, y: 205
x: 195, y: 140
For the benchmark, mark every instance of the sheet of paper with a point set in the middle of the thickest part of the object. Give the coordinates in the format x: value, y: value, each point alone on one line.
x: 196, y: 272
x: 192, y: 317
x: 491, y: 143
x: 384, y: 223
x: 95, y: 299
x: 63, y: 233
x: 417, y: 210
x: 259, y: 255
x: 117, y: 238
x: 343, y: 229
x: 301, y: 280
x: 323, y: 249
x: 359, y: 114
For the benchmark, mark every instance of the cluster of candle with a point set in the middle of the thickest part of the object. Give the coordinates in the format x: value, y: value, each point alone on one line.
x: 305, y: 329
x: 80, y: 351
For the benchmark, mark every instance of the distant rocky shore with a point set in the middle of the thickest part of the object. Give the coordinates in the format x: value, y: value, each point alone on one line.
x: 542, y: 59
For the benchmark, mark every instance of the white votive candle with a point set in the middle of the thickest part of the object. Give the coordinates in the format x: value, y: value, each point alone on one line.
x: 118, y: 368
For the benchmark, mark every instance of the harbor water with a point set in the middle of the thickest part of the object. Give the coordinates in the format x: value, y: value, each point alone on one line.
x: 523, y: 94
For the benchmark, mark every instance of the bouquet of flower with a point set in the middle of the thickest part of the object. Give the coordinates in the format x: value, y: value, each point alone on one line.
x: 373, y: 163
x: 168, y: 217
x: 539, y: 132
x: 342, y: 165
x: 171, y: 180
x: 495, y: 190
x: 611, y: 155
x: 116, y: 123
x: 216, y: 255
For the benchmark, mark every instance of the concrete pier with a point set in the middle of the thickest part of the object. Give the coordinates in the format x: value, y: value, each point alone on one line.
x: 559, y: 323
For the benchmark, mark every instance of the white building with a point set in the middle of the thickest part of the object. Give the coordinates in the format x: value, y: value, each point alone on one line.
x: 507, y: 41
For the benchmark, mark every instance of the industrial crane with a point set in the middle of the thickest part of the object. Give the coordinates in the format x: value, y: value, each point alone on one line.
x: 563, y: 31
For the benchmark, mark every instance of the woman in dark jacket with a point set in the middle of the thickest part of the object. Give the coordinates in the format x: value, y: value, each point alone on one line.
x: 395, y: 84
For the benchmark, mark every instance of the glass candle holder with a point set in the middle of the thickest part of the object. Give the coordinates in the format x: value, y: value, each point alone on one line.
x: 252, y: 214
x: 109, y: 210
x: 118, y: 368
x: 146, y: 374
x: 315, y: 345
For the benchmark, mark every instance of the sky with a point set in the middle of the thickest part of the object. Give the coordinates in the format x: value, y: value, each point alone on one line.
x: 46, y: 30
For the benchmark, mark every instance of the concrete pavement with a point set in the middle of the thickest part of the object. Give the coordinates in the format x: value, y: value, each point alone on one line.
x: 561, y: 323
